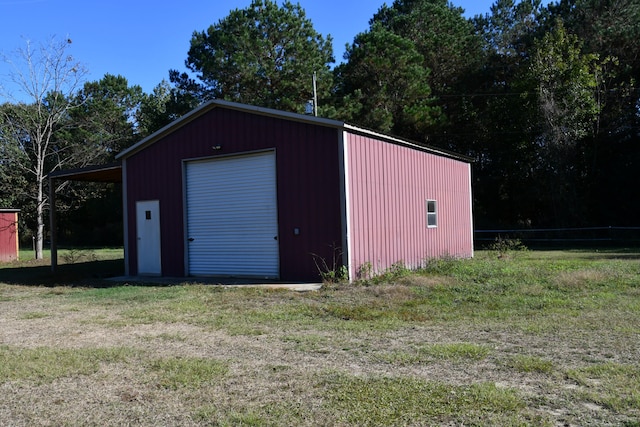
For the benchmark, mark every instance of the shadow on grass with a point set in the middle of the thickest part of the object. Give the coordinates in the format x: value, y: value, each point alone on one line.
x: 81, y: 274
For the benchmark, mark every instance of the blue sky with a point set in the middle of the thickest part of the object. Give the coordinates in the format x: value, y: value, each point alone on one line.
x: 142, y: 40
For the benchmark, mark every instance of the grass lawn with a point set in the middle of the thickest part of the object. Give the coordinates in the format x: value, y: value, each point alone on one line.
x: 530, y: 338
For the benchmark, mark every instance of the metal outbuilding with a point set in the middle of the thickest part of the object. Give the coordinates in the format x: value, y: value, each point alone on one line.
x: 241, y: 191
x: 9, y: 241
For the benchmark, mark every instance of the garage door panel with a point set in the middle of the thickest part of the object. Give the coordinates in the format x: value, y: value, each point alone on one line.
x: 232, y: 216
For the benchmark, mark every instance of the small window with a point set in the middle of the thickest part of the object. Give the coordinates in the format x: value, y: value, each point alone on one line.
x: 432, y: 213
x: 147, y: 214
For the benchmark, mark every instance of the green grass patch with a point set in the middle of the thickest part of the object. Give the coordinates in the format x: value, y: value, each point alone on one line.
x: 379, y: 306
x: 138, y: 305
x: 412, y: 401
x: 271, y: 414
x: 615, y: 386
x: 209, y: 306
x: 248, y: 418
x: 530, y: 364
x: 452, y: 352
x: 309, y: 343
x: 533, y: 286
x: 136, y: 295
x: 74, y: 254
x: 45, y: 364
x: 174, y: 373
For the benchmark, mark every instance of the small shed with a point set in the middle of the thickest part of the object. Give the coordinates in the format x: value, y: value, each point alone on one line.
x: 234, y: 190
x: 9, y: 241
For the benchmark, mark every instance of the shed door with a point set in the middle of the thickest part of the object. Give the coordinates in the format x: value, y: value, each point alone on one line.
x: 148, y: 244
x: 232, y: 219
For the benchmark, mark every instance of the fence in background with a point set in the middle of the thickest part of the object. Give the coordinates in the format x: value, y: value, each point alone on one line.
x: 550, y: 237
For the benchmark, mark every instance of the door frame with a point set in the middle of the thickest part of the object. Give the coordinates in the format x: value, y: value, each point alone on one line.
x: 148, y: 254
x: 185, y: 164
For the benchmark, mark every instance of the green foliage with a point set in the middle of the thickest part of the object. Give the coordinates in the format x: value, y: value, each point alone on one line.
x: 385, y: 77
x: 560, y: 85
x: 14, y: 161
x: 442, y: 265
x: 565, y: 83
x: 72, y: 256
x: 397, y: 270
x: 331, y: 271
x: 505, y: 246
x: 510, y: 28
x: 105, y: 122
x: 414, y: 53
x: 367, y: 275
x: 264, y: 55
x: 166, y: 104
x: 441, y: 35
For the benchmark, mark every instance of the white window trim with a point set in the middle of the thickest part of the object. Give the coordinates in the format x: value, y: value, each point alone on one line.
x: 432, y: 213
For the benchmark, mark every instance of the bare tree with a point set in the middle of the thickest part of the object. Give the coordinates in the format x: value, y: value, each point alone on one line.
x: 45, y: 79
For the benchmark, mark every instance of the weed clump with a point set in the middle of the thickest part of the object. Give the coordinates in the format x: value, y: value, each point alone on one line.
x: 367, y: 276
x: 331, y: 271
x: 505, y: 247
x: 73, y: 256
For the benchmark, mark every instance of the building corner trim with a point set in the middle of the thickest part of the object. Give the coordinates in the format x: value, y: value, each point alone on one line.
x: 343, y: 158
x: 125, y: 218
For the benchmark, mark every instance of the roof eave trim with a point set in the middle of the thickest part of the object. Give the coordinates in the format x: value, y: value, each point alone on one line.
x: 64, y: 173
x: 406, y: 143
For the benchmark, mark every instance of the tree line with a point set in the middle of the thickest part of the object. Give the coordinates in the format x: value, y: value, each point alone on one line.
x: 544, y: 98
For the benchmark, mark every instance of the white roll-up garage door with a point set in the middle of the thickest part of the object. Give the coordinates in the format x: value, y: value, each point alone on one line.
x: 232, y: 219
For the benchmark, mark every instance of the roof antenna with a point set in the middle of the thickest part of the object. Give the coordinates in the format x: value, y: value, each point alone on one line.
x: 315, y: 96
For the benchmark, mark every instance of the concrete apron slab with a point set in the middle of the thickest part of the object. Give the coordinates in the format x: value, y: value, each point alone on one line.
x: 216, y: 281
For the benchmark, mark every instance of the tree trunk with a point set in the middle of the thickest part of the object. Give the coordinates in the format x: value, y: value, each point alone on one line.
x: 40, y: 219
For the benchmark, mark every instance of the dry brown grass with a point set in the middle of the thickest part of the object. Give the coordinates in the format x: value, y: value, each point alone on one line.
x: 580, y: 279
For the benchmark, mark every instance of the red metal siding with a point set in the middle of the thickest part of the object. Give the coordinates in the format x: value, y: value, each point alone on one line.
x: 308, y: 184
x: 8, y: 235
x: 388, y: 186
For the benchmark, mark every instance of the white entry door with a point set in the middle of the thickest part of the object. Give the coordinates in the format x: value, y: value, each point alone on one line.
x: 148, y: 228
x: 232, y: 218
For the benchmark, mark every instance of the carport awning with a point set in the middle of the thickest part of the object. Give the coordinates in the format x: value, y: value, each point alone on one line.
x: 102, y: 173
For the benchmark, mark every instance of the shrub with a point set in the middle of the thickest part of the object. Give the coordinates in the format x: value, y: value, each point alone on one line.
x: 505, y: 246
